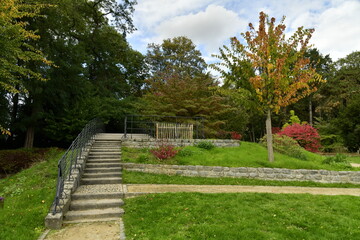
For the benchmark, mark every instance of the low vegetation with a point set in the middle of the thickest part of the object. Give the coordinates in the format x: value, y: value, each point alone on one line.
x: 242, y: 216
x: 247, y: 155
x: 28, y: 196
x: 13, y: 161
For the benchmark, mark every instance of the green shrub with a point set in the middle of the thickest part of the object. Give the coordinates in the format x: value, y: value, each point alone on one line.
x: 186, y: 152
x: 338, y: 158
x: 286, y: 145
x: 142, y: 158
x: 205, y: 145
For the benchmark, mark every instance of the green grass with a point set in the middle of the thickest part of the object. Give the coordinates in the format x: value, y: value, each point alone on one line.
x: 354, y: 159
x: 149, y: 178
x: 28, y: 196
x: 242, y: 216
x: 247, y: 155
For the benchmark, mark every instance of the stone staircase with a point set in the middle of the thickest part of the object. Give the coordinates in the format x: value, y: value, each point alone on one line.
x: 99, y: 196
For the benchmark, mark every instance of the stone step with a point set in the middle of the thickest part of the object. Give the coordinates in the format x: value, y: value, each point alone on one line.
x: 110, y: 142
x: 108, y: 180
x: 103, y: 160
x: 94, y: 214
x: 115, y: 146
x: 102, y: 175
x: 105, y: 150
x: 102, y: 169
x: 102, y: 165
x: 102, y: 145
x: 92, y: 220
x: 88, y: 204
x: 105, y: 153
x: 107, y: 195
x: 105, y: 157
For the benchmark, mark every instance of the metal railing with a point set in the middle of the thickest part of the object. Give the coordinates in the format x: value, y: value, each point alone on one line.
x: 146, y: 124
x: 68, y: 161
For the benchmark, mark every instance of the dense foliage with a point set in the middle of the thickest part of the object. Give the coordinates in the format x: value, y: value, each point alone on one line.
x: 306, y: 135
x: 91, y: 71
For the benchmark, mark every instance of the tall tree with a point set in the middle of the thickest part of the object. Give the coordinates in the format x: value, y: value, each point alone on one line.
x: 323, y: 66
x: 342, y: 85
x: 15, y: 50
x: 179, y: 86
x: 282, y: 73
x: 235, y: 71
x: 95, y: 66
x: 177, y: 55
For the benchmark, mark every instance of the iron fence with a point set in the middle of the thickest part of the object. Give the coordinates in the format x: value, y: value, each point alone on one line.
x: 147, y: 125
x: 68, y: 161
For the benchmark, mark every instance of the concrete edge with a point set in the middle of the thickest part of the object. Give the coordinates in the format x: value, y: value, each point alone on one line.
x: 44, y: 234
x: 122, y: 229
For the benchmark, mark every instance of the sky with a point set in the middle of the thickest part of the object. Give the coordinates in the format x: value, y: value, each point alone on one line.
x: 211, y: 23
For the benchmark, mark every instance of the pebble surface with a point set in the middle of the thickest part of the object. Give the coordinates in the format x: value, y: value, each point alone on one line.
x: 100, y: 188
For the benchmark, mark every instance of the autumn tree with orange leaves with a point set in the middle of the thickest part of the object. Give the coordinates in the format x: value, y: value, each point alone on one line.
x: 282, y: 73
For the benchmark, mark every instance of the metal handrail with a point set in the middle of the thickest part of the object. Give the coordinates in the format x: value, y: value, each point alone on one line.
x: 68, y: 161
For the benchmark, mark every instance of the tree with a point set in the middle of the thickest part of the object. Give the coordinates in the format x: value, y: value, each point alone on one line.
x: 349, y: 123
x: 282, y: 73
x: 15, y: 48
x: 95, y: 70
x: 178, y: 55
x: 235, y: 71
x: 323, y: 66
x: 342, y: 85
x: 179, y: 86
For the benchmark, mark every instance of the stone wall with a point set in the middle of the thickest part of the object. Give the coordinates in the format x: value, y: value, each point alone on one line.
x: 279, y: 174
x: 54, y: 221
x: 152, y: 143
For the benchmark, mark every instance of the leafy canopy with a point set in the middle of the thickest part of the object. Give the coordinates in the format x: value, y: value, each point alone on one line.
x: 282, y: 73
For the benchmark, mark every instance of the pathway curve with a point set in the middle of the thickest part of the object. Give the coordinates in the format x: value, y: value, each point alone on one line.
x: 131, y: 190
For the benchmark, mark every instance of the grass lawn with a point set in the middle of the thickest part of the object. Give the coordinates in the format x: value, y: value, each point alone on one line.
x: 149, y: 178
x: 28, y: 196
x: 247, y: 155
x: 354, y: 159
x: 242, y: 216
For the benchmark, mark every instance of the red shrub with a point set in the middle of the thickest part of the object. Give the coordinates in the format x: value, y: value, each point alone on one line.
x: 164, y: 152
x: 306, y: 135
x: 275, y: 130
x: 236, y: 136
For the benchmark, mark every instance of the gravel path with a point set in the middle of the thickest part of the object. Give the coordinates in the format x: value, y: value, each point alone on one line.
x: 136, y: 189
x: 86, y: 231
x: 100, y: 188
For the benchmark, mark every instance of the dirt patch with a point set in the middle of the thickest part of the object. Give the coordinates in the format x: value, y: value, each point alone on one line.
x: 86, y: 231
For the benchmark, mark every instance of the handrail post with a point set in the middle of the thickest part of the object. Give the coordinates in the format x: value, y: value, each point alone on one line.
x: 125, y: 123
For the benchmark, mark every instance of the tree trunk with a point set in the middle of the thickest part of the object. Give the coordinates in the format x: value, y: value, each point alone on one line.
x: 310, y: 111
x: 14, y: 113
x: 269, y: 138
x: 29, y: 141
x: 30, y: 132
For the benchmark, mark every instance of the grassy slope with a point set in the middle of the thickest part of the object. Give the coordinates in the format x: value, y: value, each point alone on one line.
x: 242, y: 216
x: 247, y: 155
x: 28, y: 196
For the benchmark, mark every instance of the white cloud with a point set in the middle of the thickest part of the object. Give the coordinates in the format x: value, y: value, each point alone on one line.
x: 208, y: 28
x: 338, y: 30
x: 151, y: 12
x: 210, y: 23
